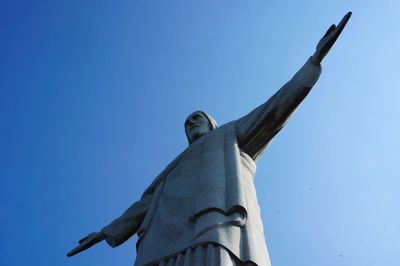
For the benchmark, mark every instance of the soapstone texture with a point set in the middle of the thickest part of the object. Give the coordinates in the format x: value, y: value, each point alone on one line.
x: 207, y: 194
x: 203, y: 209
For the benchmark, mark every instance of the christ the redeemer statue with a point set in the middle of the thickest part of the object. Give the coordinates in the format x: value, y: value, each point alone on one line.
x: 202, y: 209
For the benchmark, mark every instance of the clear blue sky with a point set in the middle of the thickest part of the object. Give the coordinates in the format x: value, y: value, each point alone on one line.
x: 94, y: 95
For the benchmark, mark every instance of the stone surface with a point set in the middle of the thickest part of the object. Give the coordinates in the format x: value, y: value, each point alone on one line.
x: 206, y: 196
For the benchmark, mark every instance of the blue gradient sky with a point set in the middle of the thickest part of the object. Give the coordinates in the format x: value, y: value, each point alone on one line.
x: 94, y: 95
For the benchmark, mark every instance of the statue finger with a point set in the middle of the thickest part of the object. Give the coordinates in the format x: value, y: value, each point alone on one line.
x: 338, y: 30
x: 86, y: 238
x: 331, y: 28
x: 75, y: 251
x: 343, y: 22
x: 82, y: 240
x: 85, y: 245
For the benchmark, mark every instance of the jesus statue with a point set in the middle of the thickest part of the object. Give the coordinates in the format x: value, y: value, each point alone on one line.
x: 202, y: 208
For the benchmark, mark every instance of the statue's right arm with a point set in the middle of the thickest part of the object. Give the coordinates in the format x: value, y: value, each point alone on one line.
x: 125, y: 226
x: 121, y: 229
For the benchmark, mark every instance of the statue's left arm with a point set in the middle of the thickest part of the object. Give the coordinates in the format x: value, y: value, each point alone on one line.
x: 256, y: 129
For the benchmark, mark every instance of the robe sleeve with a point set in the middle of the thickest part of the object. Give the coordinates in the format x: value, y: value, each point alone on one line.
x: 138, y: 215
x: 122, y: 228
x: 256, y: 129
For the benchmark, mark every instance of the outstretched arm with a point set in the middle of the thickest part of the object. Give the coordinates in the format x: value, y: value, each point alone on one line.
x: 133, y: 219
x: 121, y: 229
x: 256, y: 129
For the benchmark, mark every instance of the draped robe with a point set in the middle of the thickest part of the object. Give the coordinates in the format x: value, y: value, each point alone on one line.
x: 207, y: 195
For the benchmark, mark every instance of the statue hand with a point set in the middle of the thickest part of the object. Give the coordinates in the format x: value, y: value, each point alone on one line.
x: 87, y: 242
x: 330, y: 37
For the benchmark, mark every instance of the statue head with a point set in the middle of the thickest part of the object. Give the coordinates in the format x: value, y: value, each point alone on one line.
x: 198, y: 124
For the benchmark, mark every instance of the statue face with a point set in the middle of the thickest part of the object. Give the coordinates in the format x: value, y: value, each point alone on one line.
x: 196, y: 125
